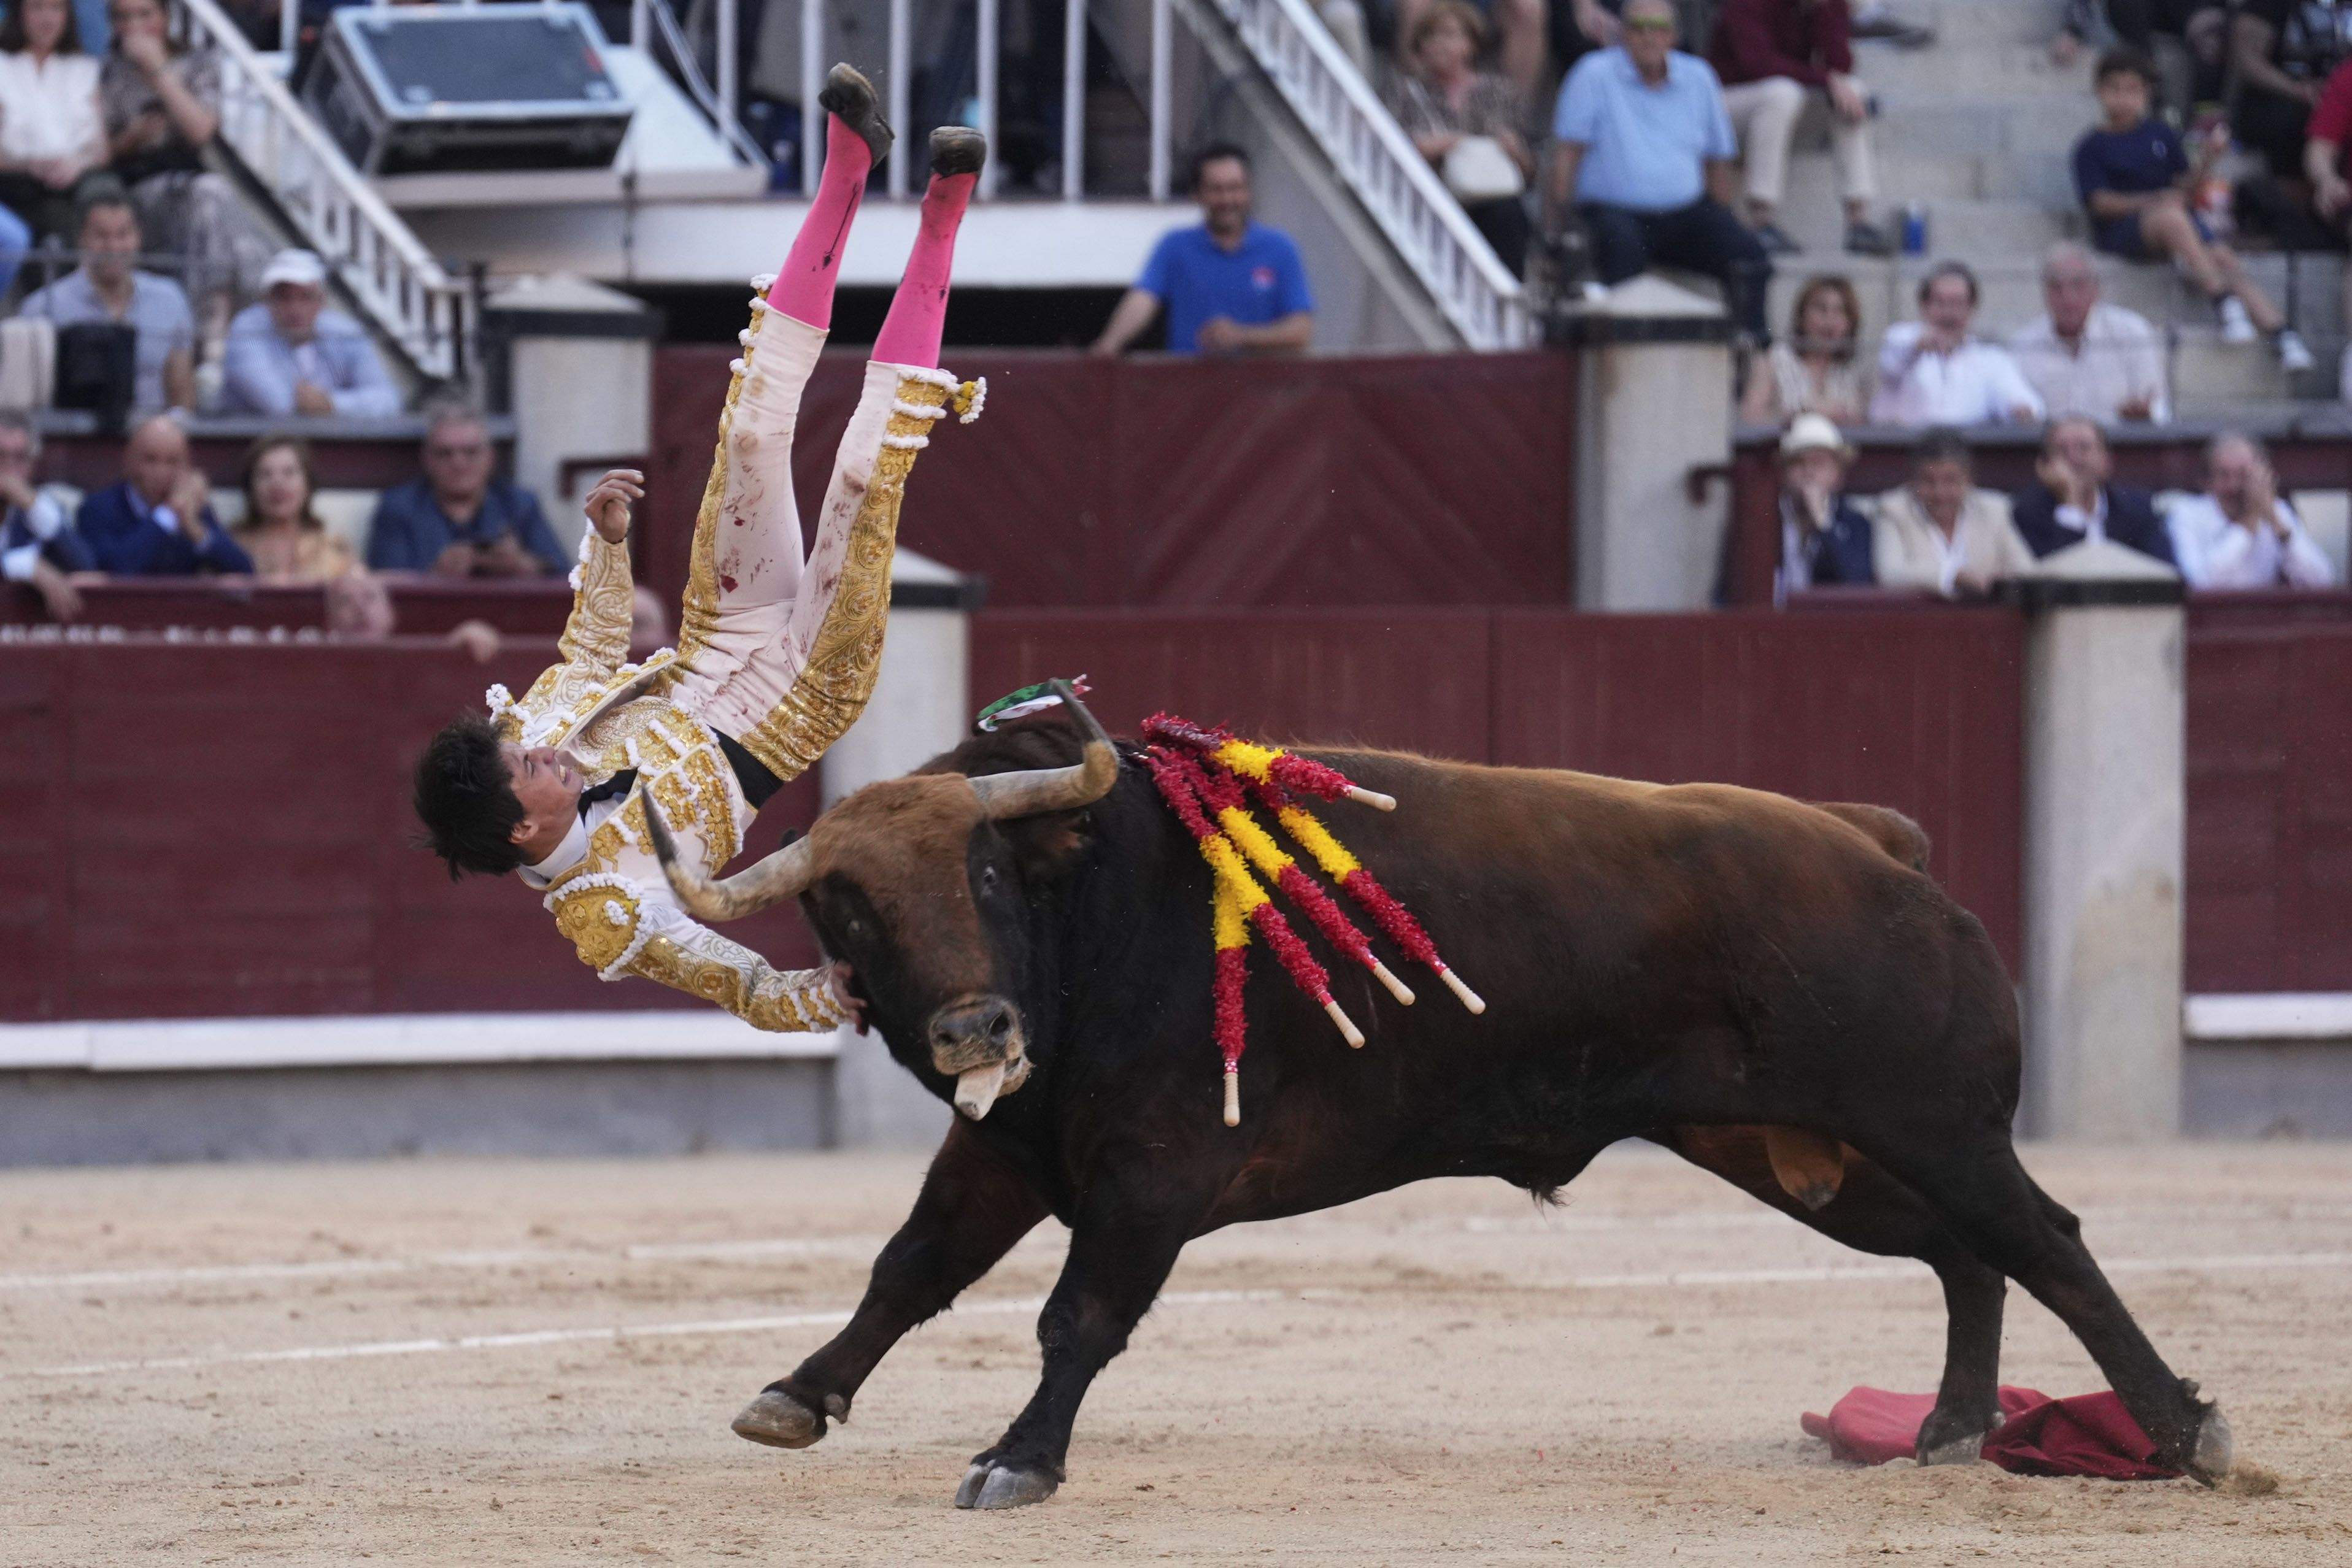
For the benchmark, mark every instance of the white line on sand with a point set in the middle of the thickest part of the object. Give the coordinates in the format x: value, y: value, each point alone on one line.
x: 2236, y: 1263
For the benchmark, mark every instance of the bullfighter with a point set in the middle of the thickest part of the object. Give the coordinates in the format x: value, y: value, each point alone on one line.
x: 776, y: 654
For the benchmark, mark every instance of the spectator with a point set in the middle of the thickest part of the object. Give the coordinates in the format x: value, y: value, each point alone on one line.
x: 1941, y: 533
x: 1233, y: 286
x: 158, y: 521
x: 2075, y: 500
x: 1641, y: 139
x: 1936, y: 371
x: 1467, y: 123
x: 2084, y: 356
x: 2137, y: 185
x: 1577, y: 27
x: 2282, y: 50
x: 282, y: 533
x: 291, y: 355
x: 51, y: 137
x: 1773, y: 55
x: 38, y: 544
x: 2242, y: 533
x: 1813, y: 368
x: 16, y: 239
x: 1520, y: 23
x: 107, y: 289
x: 161, y: 101
x: 459, y: 520
x: 1825, y: 538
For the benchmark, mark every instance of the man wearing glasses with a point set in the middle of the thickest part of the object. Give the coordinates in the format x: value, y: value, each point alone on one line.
x: 1645, y: 157
x: 459, y: 520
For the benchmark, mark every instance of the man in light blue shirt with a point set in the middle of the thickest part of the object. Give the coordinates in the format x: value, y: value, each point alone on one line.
x: 291, y: 355
x: 1645, y: 152
x: 106, y: 289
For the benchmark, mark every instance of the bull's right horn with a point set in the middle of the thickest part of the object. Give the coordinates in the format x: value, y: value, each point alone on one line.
x: 783, y: 875
x: 1036, y: 789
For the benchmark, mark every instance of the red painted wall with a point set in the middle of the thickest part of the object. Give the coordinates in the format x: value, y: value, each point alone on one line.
x: 1405, y: 480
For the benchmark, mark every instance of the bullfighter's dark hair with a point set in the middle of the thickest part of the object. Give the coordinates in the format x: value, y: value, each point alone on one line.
x: 1216, y: 152
x: 466, y: 802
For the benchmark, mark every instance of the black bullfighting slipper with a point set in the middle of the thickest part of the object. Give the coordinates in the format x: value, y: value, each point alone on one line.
x: 849, y: 95
x: 957, y: 150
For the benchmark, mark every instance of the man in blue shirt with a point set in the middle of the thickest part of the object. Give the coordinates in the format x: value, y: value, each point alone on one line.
x: 1231, y: 286
x: 460, y: 520
x: 159, y: 521
x: 291, y: 355
x: 1645, y: 152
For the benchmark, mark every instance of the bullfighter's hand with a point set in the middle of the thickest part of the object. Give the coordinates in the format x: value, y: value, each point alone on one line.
x: 608, y: 505
x: 837, y: 980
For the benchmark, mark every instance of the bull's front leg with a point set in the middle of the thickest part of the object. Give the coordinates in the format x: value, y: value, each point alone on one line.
x: 972, y: 1209
x: 1119, y: 1257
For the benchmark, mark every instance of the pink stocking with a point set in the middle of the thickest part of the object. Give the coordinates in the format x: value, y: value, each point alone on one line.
x: 918, y: 311
x: 803, y: 289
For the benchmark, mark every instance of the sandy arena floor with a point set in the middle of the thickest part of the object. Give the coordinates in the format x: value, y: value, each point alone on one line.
x: 414, y: 1361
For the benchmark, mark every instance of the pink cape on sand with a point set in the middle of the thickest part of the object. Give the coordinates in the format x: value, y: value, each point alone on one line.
x: 2088, y: 1435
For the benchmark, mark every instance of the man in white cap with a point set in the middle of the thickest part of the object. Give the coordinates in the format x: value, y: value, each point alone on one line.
x: 291, y: 355
x: 1824, y: 540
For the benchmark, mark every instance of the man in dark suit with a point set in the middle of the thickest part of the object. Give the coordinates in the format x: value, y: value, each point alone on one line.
x: 2073, y: 499
x: 1824, y: 540
x: 158, y: 522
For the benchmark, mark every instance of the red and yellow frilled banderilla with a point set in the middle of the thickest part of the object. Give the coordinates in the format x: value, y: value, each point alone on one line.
x: 1207, y: 778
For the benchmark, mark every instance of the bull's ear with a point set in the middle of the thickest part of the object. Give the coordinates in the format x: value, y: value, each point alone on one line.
x: 1047, y: 845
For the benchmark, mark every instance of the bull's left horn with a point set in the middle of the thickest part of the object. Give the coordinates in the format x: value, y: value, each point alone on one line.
x: 783, y: 875
x: 1036, y: 789
x: 977, y: 1088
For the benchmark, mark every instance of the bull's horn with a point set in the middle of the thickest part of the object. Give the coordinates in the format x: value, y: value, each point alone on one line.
x: 1037, y: 790
x: 782, y: 875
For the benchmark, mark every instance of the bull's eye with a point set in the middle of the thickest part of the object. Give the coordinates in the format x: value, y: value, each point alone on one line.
x: 987, y: 879
x: 853, y: 927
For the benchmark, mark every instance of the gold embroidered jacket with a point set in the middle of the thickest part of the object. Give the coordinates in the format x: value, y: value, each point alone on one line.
x: 615, y: 904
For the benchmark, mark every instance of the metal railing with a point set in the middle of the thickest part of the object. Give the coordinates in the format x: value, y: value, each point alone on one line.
x: 1379, y: 164
x: 390, y: 275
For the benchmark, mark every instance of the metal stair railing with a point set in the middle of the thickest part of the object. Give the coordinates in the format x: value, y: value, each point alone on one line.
x: 394, y: 278
x: 1379, y: 164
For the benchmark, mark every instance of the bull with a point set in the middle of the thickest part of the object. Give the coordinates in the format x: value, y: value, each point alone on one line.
x: 1776, y: 991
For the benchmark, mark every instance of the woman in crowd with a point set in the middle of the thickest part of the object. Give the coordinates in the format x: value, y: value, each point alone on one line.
x: 161, y: 105
x: 51, y: 136
x: 289, y: 544
x: 1941, y: 533
x: 1469, y: 124
x: 1815, y: 369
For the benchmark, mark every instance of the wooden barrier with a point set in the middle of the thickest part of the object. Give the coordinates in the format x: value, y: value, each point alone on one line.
x: 422, y: 606
x: 200, y: 830
x: 1921, y: 710
x: 1397, y: 479
x: 350, y: 454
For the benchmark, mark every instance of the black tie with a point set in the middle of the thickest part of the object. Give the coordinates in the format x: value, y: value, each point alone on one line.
x: 618, y: 785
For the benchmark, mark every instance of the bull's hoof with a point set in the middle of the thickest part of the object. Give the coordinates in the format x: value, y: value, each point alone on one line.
x: 997, y: 1484
x: 2215, y: 1450
x: 779, y: 1420
x: 1964, y: 1449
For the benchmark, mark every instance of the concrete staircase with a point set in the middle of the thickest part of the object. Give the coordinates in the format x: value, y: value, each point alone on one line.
x: 1980, y: 127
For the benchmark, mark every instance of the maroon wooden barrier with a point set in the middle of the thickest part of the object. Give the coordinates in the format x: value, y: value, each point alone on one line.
x: 204, y: 829
x: 2269, y: 904
x: 1406, y: 479
x: 1920, y: 710
x: 423, y: 606
x: 347, y: 459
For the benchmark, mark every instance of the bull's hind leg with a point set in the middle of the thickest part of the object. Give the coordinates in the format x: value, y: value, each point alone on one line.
x: 1973, y: 1179
x: 1873, y: 1212
x: 972, y: 1209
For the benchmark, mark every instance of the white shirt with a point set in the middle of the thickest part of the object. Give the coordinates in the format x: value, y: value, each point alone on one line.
x: 2215, y: 552
x: 47, y: 519
x: 1976, y: 383
x: 48, y: 108
x: 2119, y: 360
x: 2092, y: 525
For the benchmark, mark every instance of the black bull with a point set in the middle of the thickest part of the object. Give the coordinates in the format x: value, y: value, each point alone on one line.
x: 1707, y: 968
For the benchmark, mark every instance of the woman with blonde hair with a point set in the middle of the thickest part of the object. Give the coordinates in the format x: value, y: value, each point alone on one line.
x: 289, y: 544
x: 1468, y: 123
x: 1815, y: 369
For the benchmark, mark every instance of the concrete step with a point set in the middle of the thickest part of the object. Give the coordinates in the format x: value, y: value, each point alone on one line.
x: 2210, y: 377
x: 1988, y: 70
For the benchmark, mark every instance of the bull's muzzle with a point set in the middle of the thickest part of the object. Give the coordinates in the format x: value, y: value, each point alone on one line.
x: 977, y: 1042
